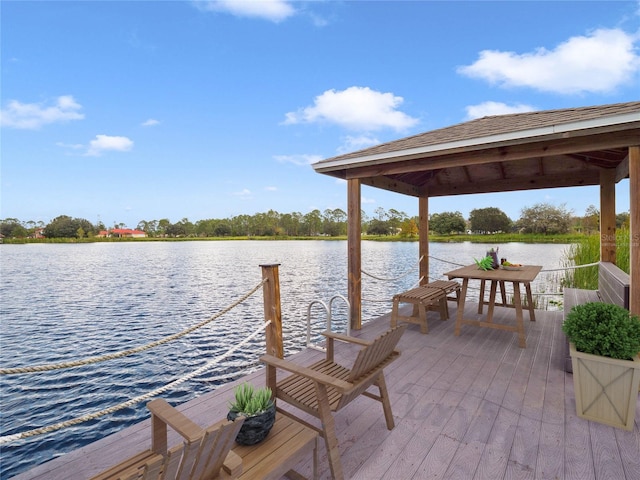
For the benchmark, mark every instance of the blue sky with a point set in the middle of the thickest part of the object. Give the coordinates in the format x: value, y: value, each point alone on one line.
x: 126, y: 111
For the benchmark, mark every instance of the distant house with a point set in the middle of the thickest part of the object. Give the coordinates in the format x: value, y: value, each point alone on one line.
x: 37, y: 233
x: 122, y: 233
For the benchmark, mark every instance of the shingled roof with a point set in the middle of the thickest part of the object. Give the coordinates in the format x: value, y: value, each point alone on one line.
x: 552, y: 148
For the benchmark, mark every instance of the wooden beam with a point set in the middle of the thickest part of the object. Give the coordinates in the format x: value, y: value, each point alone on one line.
x: 467, y: 175
x: 622, y: 170
x: 587, y: 177
x: 436, y: 160
x: 423, y: 235
x: 503, y: 174
x: 354, y: 245
x: 634, y: 229
x: 393, y: 185
x: 608, y: 215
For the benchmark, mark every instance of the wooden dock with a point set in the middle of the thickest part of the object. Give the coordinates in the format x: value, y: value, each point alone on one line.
x: 469, y: 407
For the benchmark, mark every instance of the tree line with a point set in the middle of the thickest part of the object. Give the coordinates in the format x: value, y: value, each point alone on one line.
x: 542, y: 218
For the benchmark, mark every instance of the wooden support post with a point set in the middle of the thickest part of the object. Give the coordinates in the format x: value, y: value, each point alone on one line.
x: 354, y: 245
x: 423, y: 235
x: 634, y: 229
x: 608, y: 215
x: 272, y: 310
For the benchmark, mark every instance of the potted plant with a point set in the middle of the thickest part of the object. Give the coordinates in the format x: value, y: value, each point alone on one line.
x: 259, y: 410
x: 604, y: 341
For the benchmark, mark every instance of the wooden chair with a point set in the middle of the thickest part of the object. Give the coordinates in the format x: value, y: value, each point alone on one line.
x: 326, y: 386
x: 204, y: 454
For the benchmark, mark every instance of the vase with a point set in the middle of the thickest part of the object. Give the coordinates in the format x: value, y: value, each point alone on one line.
x: 255, y: 427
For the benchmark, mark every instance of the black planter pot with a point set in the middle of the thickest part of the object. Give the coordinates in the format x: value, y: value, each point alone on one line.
x: 255, y: 428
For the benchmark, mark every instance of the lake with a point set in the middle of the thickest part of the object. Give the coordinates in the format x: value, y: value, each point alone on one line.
x: 62, y: 302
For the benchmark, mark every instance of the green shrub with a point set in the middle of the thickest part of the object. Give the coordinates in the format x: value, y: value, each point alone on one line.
x: 603, y: 329
x: 249, y: 401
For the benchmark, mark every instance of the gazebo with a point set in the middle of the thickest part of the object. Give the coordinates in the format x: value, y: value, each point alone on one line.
x: 598, y: 145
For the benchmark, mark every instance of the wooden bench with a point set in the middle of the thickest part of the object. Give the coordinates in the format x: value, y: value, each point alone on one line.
x: 613, y: 287
x: 432, y: 296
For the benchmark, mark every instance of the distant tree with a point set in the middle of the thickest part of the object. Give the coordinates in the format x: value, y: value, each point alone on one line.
x: 176, y: 230
x: 12, y: 228
x: 395, y: 219
x: 334, y: 222
x: 313, y: 223
x: 409, y: 228
x: 149, y: 227
x: 162, y: 226
x: 447, y: 222
x: 622, y: 220
x: 64, y: 226
x: 489, y: 220
x: 222, y: 229
x: 545, y: 218
x: 378, y: 227
x: 591, y: 220
x: 381, y: 214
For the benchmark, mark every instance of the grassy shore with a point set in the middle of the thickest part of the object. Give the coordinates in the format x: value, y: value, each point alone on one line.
x: 493, y: 239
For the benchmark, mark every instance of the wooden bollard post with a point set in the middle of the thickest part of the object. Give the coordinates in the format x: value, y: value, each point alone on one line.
x: 272, y: 309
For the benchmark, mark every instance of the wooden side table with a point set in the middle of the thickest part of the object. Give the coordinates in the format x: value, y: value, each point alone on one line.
x: 287, y: 444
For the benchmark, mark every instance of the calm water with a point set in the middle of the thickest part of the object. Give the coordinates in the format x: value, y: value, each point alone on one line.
x: 66, y: 302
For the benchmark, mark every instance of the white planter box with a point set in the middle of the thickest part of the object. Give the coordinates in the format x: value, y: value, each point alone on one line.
x: 606, y: 389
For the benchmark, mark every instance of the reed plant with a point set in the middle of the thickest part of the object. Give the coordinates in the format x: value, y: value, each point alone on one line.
x: 587, y: 250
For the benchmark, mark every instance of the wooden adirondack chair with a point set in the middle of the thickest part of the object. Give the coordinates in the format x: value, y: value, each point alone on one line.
x: 326, y: 386
x: 205, y: 454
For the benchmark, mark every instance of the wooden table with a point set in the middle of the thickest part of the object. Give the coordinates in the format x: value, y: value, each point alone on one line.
x: 499, y: 276
x: 287, y: 444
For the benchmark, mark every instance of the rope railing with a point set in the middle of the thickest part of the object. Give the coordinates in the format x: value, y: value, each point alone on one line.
x: 125, y: 353
x: 571, y: 267
x: 395, y: 278
x: 135, y: 400
x: 446, y: 261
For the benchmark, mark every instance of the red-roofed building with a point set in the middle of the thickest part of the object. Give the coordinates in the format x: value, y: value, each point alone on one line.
x: 122, y: 233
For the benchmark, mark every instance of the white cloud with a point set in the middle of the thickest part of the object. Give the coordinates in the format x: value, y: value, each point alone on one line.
x: 244, y: 194
x: 366, y: 200
x: 70, y: 146
x: 301, y: 159
x: 352, y: 144
x: 104, y: 143
x: 150, y: 123
x: 273, y: 10
x: 495, y: 108
x: 599, y: 62
x: 35, y: 115
x: 356, y: 108
x: 271, y: 189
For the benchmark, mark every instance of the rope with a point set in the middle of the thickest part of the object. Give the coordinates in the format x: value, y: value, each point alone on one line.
x: 112, y: 356
x: 396, y: 278
x: 574, y: 267
x: 133, y: 401
x: 447, y: 261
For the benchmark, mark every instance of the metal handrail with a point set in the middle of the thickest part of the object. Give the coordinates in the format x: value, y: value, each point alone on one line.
x: 327, y: 309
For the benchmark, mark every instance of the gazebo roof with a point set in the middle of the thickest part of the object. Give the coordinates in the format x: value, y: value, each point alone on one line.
x: 543, y: 149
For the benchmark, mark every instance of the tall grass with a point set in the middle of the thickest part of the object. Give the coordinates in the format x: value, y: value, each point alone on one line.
x: 587, y: 250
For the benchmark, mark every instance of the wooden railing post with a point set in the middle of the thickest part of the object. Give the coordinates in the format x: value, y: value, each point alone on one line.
x: 272, y: 310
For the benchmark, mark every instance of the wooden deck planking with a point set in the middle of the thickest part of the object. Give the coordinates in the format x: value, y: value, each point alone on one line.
x: 474, y: 406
